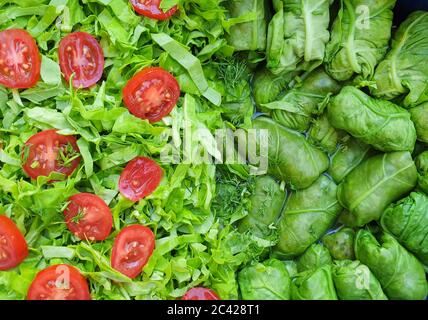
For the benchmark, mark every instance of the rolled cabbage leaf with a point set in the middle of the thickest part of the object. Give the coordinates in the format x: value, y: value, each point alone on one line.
x: 405, y: 70
x: 401, y: 275
x: 297, y: 107
x: 359, y: 38
x: 380, y: 123
x: 308, y: 214
x: 422, y: 166
x: 420, y: 119
x: 265, y: 281
x: 354, y: 281
x: 291, y: 158
x: 314, y: 285
x: 323, y: 135
x: 341, y: 244
x: 298, y: 34
x: 250, y: 34
x: 267, y: 86
x: 314, y: 257
x: 266, y: 204
x: 350, y: 154
x: 407, y: 221
x: 374, y: 185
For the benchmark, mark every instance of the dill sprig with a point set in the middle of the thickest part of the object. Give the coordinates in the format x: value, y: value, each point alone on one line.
x: 232, y: 71
x: 66, y: 155
x: 78, y: 217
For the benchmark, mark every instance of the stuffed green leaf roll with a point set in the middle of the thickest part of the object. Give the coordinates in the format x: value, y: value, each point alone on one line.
x: 420, y: 119
x: 401, y: 275
x: 314, y: 284
x: 405, y: 70
x: 350, y: 153
x: 265, y: 281
x: 266, y: 204
x: 267, y: 86
x: 248, y: 35
x: 359, y: 38
x: 354, y: 281
x: 297, y: 107
x: 380, y: 123
x: 297, y: 34
x: 323, y: 135
x: 407, y: 221
x: 291, y: 158
x: 422, y: 166
x: 314, y: 257
x: 375, y: 184
x: 341, y: 244
x: 307, y: 216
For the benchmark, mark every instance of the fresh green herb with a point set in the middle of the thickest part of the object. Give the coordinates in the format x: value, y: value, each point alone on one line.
x: 66, y: 155
x: 35, y: 164
x: 79, y: 216
x: 232, y: 71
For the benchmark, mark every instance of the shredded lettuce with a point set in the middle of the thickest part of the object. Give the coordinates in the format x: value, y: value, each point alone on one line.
x: 196, y: 243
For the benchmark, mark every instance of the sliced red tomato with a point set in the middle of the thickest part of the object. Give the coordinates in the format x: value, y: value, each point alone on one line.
x: 140, y: 178
x: 47, y: 152
x: 59, y: 282
x: 132, y: 249
x: 151, y: 94
x: 19, y: 59
x: 151, y: 9
x: 88, y: 217
x: 81, y: 54
x: 13, y: 247
x: 199, y: 293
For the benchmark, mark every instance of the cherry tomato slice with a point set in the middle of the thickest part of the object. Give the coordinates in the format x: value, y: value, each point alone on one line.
x: 140, y: 178
x: 88, y: 217
x: 19, y: 59
x: 151, y: 9
x: 132, y: 249
x: 80, y: 53
x: 59, y: 282
x: 47, y: 152
x: 200, y: 293
x: 151, y: 94
x: 13, y: 247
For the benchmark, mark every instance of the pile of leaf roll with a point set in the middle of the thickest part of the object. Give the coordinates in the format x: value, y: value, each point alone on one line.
x: 344, y: 203
x: 341, y: 212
